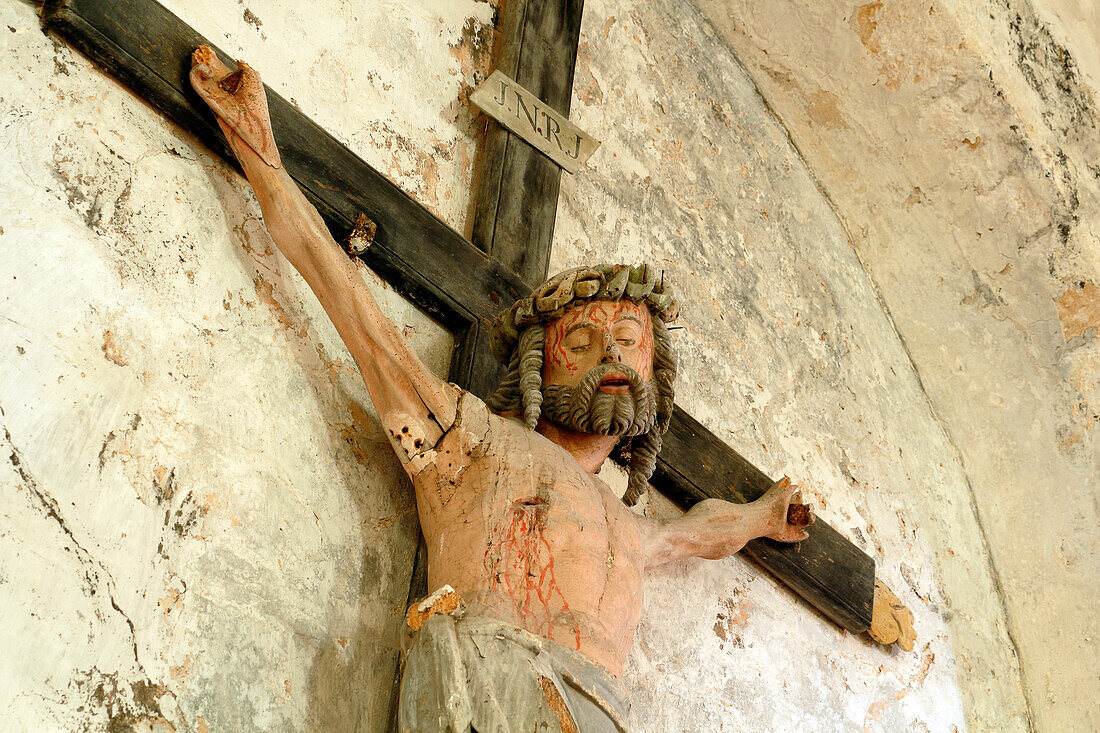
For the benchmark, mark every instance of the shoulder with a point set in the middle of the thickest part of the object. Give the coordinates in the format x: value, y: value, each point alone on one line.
x: 472, y: 418
x: 475, y: 427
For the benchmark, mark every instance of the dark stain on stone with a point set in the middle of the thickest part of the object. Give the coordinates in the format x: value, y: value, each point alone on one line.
x: 186, y: 516
x: 1050, y: 70
x: 719, y: 113
x: 147, y: 694
x: 61, y: 62
x: 982, y: 293
x: 253, y: 20
x: 1068, y: 107
x: 911, y: 580
x: 1064, y: 230
x: 474, y: 52
x: 163, y: 490
x: 134, y: 422
x: 136, y: 708
x: 90, y: 173
x: 370, y: 578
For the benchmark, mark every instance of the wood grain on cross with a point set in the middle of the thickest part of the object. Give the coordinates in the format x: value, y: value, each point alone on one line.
x: 460, y: 282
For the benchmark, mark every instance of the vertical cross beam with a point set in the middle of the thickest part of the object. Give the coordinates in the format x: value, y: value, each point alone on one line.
x: 515, y: 186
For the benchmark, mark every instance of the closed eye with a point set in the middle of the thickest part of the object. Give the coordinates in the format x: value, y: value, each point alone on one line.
x: 579, y: 342
x: 626, y: 334
x: 579, y: 339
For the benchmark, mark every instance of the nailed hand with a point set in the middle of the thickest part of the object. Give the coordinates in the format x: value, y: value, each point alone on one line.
x: 240, y: 102
x: 787, y: 516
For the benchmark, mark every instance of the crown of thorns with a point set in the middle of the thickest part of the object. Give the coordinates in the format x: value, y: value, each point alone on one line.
x: 639, y: 283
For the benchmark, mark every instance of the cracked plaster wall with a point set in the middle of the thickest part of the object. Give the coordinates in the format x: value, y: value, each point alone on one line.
x: 959, y: 141
x: 206, y: 528
x: 203, y: 526
x: 787, y: 353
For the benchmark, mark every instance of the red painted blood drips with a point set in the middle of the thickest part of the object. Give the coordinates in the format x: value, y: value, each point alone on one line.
x: 602, y: 315
x: 520, y: 562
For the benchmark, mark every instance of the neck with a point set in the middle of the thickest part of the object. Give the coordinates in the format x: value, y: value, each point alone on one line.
x: 589, y: 450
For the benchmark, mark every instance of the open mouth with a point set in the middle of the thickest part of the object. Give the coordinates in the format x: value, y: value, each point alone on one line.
x: 614, y: 383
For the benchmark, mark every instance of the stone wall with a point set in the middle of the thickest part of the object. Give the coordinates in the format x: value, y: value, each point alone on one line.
x: 202, y: 524
x: 959, y: 141
x: 203, y: 527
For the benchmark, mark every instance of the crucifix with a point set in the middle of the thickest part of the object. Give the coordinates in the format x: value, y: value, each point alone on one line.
x: 466, y: 284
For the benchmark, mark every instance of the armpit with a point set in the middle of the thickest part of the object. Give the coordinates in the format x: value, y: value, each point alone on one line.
x: 443, y: 461
x: 413, y: 439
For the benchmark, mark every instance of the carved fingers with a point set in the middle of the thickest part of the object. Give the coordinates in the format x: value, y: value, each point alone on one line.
x: 238, y: 98
x: 787, y: 515
x: 891, y: 621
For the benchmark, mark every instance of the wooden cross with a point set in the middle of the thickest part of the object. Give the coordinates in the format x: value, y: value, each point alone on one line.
x: 463, y: 283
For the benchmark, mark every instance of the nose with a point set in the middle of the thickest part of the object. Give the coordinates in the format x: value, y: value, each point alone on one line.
x: 612, y: 354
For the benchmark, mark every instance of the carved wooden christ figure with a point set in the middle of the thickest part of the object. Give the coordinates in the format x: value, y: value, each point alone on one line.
x: 546, y: 561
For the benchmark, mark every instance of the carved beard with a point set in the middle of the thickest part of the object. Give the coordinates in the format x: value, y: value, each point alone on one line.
x: 585, y: 409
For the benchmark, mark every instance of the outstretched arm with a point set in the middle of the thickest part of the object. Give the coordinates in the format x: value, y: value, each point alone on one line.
x: 415, y: 406
x: 715, y: 529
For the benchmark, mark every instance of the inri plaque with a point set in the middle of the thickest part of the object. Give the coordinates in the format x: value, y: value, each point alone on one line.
x: 533, y: 120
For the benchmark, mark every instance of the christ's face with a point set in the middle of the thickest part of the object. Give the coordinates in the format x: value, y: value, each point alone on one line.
x: 601, y: 332
x: 597, y: 369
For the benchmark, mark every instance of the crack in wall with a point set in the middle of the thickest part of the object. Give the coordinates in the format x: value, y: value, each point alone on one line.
x: 994, y: 573
x: 96, y: 574
x: 991, y: 566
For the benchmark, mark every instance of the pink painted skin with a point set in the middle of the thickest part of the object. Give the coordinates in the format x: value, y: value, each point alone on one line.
x: 585, y: 337
x: 516, y: 521
x: 598, y: 333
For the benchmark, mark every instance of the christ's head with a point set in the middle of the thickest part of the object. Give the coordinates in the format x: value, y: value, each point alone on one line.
x: 589, y: 351
x: 597, y: 368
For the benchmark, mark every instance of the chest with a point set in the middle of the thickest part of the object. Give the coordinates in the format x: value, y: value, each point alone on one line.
x: 535, y: 471
x: 521, y: 487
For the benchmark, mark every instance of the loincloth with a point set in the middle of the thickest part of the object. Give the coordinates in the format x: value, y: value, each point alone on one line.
x: 476, y: 673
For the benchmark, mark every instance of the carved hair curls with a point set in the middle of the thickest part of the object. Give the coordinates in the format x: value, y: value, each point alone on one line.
x: 519, y: 338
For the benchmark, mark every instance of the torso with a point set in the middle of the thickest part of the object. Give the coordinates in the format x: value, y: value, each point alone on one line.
x: 525, y: 535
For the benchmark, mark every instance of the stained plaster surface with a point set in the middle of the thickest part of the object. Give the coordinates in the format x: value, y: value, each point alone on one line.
x: 785, y: 352
x: 390, y: 79
x: 959, y: 143
x: 203, y: 526
x: 267, y: 597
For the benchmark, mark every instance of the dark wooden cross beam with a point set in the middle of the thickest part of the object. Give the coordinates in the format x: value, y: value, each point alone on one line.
x: 459, y: 282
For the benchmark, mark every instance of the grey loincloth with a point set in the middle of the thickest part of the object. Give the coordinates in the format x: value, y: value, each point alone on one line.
x: 481, y: 674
